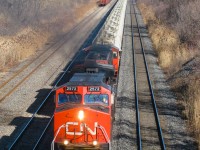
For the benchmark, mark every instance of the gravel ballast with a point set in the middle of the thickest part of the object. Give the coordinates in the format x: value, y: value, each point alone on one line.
x: 175, y: 131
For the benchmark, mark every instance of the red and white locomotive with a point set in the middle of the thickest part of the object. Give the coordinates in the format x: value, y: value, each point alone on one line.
x: 82, y: 116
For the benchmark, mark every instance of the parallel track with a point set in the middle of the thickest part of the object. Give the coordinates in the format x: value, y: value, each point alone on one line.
x: 39, y: 109
x: 55, y: 46
x: 137, y: 100
x: 42, y: 105
x: 139, y: 140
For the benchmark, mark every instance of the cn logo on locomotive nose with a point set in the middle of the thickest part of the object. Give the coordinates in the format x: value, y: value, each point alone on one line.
x: 82, y: 125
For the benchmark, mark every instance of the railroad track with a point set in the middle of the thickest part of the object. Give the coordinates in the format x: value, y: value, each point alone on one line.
x: 33, y: 132
x: 144, y: 95
x: 24, y: 73
x: 29, y: 134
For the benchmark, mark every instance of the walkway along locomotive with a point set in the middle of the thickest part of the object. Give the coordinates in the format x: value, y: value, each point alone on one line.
x: 83, y: 114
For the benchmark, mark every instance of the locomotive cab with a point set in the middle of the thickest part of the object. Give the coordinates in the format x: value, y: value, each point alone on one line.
x: 102, y: 58
x: 82, y: 117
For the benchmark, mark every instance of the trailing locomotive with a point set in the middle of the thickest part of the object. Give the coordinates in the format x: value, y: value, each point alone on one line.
x: 82, y: 117
x: 83, y: 114
x: 100, y: 58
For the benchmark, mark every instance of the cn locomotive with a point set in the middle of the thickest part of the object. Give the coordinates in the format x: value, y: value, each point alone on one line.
x: 84, y: 105
x: 83, y: 118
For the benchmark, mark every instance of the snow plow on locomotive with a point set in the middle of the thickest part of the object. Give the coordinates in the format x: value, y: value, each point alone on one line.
x: 82, y: 118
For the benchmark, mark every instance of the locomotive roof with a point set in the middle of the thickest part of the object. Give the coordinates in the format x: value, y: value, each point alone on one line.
x: 87, y: 79
x: 99, y: 47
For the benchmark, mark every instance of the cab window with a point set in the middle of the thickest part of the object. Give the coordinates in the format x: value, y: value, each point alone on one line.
x: 96, y: 99
x: 114, y: 54
x: 69, y: 98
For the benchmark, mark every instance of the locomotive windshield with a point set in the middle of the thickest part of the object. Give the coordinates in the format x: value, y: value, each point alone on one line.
x: 96, y: 99
x: 98, y: 55
x: 69, y: 98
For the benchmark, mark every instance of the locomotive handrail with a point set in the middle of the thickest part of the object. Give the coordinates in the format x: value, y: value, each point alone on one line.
x: 63, y: 126
x: 104, y: 133
x: 52, y: 144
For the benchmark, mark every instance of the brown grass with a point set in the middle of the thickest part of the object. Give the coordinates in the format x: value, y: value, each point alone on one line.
x: 20, y: 46
x: 26, y: 41
x: 166, y: 42
x: 84, y: 9
x: 172, y: 53
x: 194, y: 111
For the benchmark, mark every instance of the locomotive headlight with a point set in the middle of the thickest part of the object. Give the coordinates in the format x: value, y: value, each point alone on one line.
x: 95, y: 143
x: 81, y: 115
x: 66, y: 142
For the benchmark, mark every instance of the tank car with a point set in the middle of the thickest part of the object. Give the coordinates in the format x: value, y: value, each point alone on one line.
x: 82, y: 118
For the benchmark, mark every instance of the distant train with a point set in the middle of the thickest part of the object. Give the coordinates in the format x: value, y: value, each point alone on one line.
x: 103, y: 2
x: 84, y: 105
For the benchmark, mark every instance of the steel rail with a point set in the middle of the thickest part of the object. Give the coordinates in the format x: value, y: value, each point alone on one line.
x: 38, y: 141
x: 34, y: 114
x: 139, y: 138
x: 161, y: 139
x: 60, y: 43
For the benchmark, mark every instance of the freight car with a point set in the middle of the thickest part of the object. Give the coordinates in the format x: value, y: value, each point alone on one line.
x: 82, y: 118
x: 103, y: 2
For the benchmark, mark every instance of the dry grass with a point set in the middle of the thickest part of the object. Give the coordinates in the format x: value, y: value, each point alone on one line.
x: 20, y: 46
x: 166, y: 42
x: 173, y: 52
x: 84, y: 9
x: 26, y: 41
x: 194, y: 97
x: 191, y: 101
x: 148, y: 13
